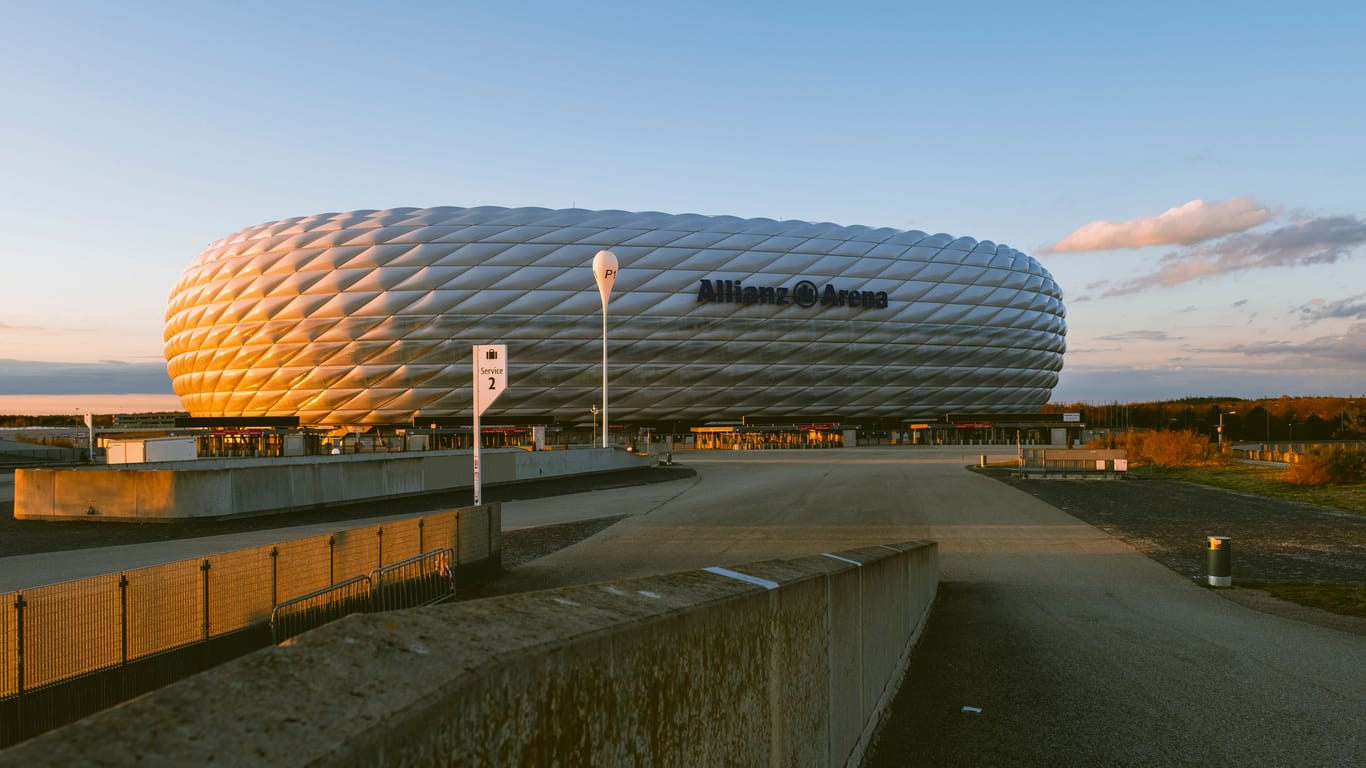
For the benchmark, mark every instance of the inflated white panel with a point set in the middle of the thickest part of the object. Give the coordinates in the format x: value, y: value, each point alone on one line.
x: 367, y: 317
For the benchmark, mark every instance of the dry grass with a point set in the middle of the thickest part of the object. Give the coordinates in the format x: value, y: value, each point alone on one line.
x: 1268, y: 481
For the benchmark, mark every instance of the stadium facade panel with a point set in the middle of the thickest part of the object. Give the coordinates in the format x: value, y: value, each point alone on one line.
x: 368, y: 317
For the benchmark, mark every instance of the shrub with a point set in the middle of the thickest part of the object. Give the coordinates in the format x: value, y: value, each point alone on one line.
x: 1327, y: 465
x: 1183, y: 448
x: 1173, y: 448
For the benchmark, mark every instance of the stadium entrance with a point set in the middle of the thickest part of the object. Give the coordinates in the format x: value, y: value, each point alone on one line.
x: 742, y: 437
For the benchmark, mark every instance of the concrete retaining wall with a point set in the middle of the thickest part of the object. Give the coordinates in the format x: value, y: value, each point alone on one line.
x: 232, y: 487
x: 692, y: 668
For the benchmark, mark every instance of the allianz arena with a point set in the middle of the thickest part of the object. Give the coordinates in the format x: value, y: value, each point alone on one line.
x: 368, y: 318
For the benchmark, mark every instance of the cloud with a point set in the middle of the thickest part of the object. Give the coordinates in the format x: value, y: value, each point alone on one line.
x: 1351, y: 308
x: 1239, y: 303
x: 1330, y: 351
x: 26, y: 377
x: 1309, y: 241
x: 1194, y: 222
x: 1140, y: 336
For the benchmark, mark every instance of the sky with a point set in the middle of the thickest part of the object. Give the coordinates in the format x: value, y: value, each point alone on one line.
x: 1190, y: 173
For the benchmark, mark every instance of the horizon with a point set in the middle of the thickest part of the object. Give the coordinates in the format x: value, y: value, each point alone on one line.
x: 1197, y: 200
x: 104, y: 405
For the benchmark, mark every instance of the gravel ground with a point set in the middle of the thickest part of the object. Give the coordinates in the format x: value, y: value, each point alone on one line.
x: 1273, y: 541
x: 527, y: 544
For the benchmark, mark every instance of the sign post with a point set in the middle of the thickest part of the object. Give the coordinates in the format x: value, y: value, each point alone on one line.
x: 490, y: 379
x: 605, y: 273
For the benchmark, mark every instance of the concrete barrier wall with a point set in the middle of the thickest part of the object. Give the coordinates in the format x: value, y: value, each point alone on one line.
x: 228, y: 487
x: 692, y: 668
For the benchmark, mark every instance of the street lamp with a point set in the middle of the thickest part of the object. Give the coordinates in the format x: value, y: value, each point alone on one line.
x: 593, y: 409
x: 1221, y: 427
x: 605, y: 273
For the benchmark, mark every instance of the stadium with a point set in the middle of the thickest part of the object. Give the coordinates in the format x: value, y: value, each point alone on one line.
x: 367, y: 318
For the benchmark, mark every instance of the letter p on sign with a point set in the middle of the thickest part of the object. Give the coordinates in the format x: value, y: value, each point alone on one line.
x: 605, y: 273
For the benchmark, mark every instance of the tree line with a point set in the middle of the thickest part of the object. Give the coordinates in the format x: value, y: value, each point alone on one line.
x: 64, y: 420
x: 1269, y: 420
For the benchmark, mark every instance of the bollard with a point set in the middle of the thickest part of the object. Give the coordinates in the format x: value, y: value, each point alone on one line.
x: 1220, y: 562
x: 983, y: 461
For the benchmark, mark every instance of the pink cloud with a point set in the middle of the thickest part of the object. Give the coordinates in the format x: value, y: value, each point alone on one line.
x: 1193, y: 222
x: 1307, y: 242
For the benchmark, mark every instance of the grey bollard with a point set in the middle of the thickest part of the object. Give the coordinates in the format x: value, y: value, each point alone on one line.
x: 1220, y: 561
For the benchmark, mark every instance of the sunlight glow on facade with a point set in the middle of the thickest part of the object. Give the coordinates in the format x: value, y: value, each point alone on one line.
x: 368, y: 317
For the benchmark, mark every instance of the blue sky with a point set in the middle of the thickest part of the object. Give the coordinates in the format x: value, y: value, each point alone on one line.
x: 1192, y: 174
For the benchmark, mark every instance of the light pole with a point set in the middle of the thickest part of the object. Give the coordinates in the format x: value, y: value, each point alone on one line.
x: 593, y: 409
x: 605, y: 273
x: 1221, y: 427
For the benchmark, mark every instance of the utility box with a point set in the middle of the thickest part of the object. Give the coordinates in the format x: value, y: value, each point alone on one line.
x: 293, y: 445
x: 151, y: 449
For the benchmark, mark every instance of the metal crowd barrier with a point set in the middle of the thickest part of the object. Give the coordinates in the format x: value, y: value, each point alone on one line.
x: 294, y: 617
x: 420, y: 580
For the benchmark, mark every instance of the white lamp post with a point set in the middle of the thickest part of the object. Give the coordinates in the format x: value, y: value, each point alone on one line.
x: 605, y: 273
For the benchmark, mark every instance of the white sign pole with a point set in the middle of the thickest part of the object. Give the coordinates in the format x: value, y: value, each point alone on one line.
x: 605, y: 273
x: 490, y: 379
x: 478, y: 487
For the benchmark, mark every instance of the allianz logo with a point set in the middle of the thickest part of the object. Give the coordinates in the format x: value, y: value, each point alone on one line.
x: 803, y: 293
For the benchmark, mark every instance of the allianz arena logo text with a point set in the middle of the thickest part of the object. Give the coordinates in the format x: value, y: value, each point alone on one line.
x: 804, y: 294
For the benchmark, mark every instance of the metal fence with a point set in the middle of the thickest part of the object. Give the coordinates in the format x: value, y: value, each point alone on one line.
x: 73, y: 648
